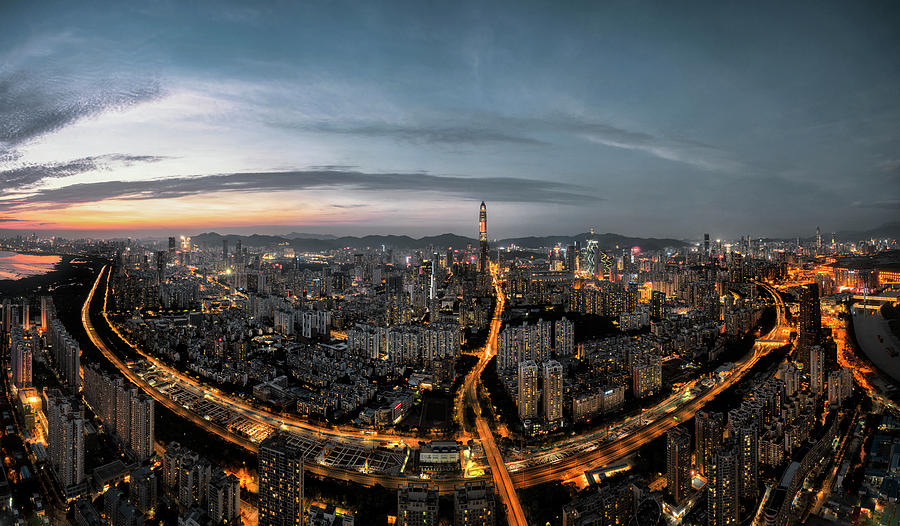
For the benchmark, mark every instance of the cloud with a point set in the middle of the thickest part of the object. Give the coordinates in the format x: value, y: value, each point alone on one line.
x: 889, y: 204
x: 349, y: 206
x: 486, y: 128
x: 417, y: 134
x: 24, y: 176
x: 503, y: 189
x: 334, y: 167
x: 677, y: 149
x: 33, y: 105
x: 890, y: 166
x: 44, y: 89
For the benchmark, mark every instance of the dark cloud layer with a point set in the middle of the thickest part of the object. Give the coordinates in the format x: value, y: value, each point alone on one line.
x: 420, y: 134
x: 24, y: 176
x: 503, y: 189
x: 32, y: 104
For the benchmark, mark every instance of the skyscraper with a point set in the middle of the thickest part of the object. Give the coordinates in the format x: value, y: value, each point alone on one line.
x: 528, y: 390
x: 572, y: 258
x: 483, y: 239
x: 709, y: 431
x: 564, y: 337
x: 553, y: 392
x: 65, y: 438
x: 417, y: 505
x: 20, y: 358
x: 142, y: 430
x: 744, y: 430
x: 810, y: 322
x: 67, y: 354
x: 124, y: 392
x: 225, y: 251
x: 706, y: 245
x: 816, y: 369
x: 678, y: 463
x: 790, y: 375
x: 46, y: 314
x: 722, y: 487
x: 280, y: 482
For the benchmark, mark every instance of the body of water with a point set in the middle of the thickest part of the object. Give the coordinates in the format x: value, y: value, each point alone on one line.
x: 18, y: 266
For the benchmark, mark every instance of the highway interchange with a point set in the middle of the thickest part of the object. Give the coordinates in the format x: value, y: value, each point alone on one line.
x: 566, y: 460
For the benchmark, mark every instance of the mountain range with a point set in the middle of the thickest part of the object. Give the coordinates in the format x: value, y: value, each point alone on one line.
x: 320, y: 242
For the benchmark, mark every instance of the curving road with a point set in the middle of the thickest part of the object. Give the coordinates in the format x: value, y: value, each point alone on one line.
x: 569, y: 460
x: 502, y: 481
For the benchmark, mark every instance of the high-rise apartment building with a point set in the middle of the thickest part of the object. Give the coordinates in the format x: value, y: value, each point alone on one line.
x: 517, y: 344
x: 840, y: 385
x: 790, y: 375
x: 709, y: 431
x: 141, y: 431
x: 144, y: 488
x: 678, y: 463
x: 280, y: 482
x: 473, y: 504
x: 67, y: 355
x: 65, y: 438
x: 553, y: 392
x: 646, y: 377
x: 124, y: 392
x: 223, y: 499
x: 816, y: 360
x: 20, y: 352
x: 528, y: 390
x: 417, y: 505
x: 46, y: 313
x: 744, y: 428
x: 722, y: 504
x: 564, y: 337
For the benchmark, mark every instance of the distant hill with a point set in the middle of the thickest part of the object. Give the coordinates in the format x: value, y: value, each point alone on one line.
x: 607, y: 241
x: 304, y: 235
x: 887, y: 230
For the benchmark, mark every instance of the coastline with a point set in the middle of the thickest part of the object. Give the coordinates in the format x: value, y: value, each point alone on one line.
x: 64, y: 273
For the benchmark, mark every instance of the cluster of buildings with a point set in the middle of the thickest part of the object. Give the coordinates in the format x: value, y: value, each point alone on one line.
x: 126, y: 412
x: 787, y: 422
x: 473, y: 503
x: 411, y: 344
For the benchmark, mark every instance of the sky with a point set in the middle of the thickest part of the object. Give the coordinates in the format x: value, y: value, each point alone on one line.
x: 662, y: 119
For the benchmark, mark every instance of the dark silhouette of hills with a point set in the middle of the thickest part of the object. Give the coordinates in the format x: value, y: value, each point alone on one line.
x: 607, y: 241
x: 305, y: 235
x: 885, y: 231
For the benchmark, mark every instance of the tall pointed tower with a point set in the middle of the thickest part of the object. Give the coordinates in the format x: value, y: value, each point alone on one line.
x: 482, y: 238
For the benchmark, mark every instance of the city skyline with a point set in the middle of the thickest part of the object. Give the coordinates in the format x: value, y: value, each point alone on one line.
x: 347, y: 263
x: 641, y: 120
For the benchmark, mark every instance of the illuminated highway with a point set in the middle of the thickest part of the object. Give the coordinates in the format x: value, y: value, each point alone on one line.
x: 502, y: 481
x: 278, y: 420
x: 567, y: 460
x: 571, y: 463
x: 366, y: 479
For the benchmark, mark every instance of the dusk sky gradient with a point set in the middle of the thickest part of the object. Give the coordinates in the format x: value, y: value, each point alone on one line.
x: 642, y: 118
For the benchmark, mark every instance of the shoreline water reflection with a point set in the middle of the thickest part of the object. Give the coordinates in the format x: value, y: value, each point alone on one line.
x: 17, y: 266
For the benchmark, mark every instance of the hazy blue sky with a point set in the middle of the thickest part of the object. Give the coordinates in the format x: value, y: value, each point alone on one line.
x: 644, y: 118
